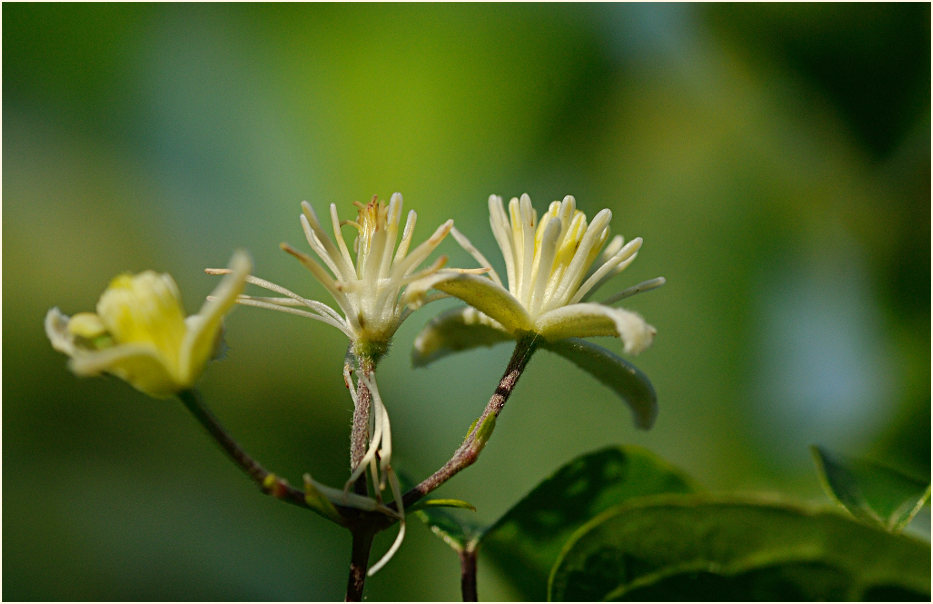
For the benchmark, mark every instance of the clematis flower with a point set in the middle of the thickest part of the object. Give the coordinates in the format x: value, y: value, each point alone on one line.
x: 140, y: 334
x: 551, y: 270
x: 376, y: 292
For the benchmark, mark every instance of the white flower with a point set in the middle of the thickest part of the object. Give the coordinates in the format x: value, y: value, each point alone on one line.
x: 552, y: 267
x: 375, y: 289
x: 140, y: 332
x: 548, y: 267
x: 374, y: 293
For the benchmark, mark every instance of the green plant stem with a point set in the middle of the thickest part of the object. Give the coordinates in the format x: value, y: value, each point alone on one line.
x: 468, y: 574
x: 467, y: 453
x: 274, y: 486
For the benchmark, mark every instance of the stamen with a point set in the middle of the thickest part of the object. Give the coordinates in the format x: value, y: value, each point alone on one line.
x: 318, y: 246
x: 528, y: 222
x: 592, y: 241
x: 335, y: 224
x: 407, y: 234
x: 500, y: 230
x: 544, y: 260
x: 393, y: 214
x: 323, y: 246
x: 420, y: 253
x: 326, y: 280
x: 622, y: 259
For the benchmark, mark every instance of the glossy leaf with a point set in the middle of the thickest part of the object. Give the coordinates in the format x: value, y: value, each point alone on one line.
x: 454, y: 529
x: 526, y: 541
x: 697, y: 547
x: 618, y: 374
x: 872, y: 492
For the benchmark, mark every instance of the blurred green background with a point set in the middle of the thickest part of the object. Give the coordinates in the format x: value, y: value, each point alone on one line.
x: 775, y: 158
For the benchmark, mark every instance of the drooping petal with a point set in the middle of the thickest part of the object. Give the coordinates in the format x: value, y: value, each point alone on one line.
x: 589, y: 319
x: 455, y: 330
x: 203, y: 329
x: 621, y: 376
x: 138, y: 364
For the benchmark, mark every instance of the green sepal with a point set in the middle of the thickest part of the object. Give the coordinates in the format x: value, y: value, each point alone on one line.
x: 470, y: 429
x: 484, y: 432
x: 319, y: 503
x: 453, y: 331
x: 622, y: 377
x: 872, y: 492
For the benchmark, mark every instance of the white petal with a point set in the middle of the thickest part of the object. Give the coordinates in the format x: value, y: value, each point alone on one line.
x: 589, y: 319
x: 488, y: 297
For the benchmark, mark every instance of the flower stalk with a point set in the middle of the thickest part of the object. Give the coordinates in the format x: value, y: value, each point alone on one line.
x: 269, y: 483
x: 479, y: 433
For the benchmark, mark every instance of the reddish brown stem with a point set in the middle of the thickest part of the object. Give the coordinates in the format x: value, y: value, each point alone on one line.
x: 467, y: 453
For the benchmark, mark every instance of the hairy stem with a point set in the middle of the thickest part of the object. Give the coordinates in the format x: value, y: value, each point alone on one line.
x: 268, y: 482
x: 362, y: 407
x: 471, y: 447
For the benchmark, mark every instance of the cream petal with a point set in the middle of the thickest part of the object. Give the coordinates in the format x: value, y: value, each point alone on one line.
x: 489, y: 298
x: 589, y: 319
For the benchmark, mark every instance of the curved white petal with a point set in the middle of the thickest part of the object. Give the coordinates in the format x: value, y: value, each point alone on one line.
x: 589, y: 319
x: 488, y: 297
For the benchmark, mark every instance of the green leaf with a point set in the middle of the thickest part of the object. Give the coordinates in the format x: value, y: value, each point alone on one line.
x: 454, y: 530
x: 526, y: 541
x: 698, y: 547
x: 874, y: 493
x: 452, y: 331
x: 618, y: 374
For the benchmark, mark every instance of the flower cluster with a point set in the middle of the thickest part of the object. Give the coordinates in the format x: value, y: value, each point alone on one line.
x: 552, y: 267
